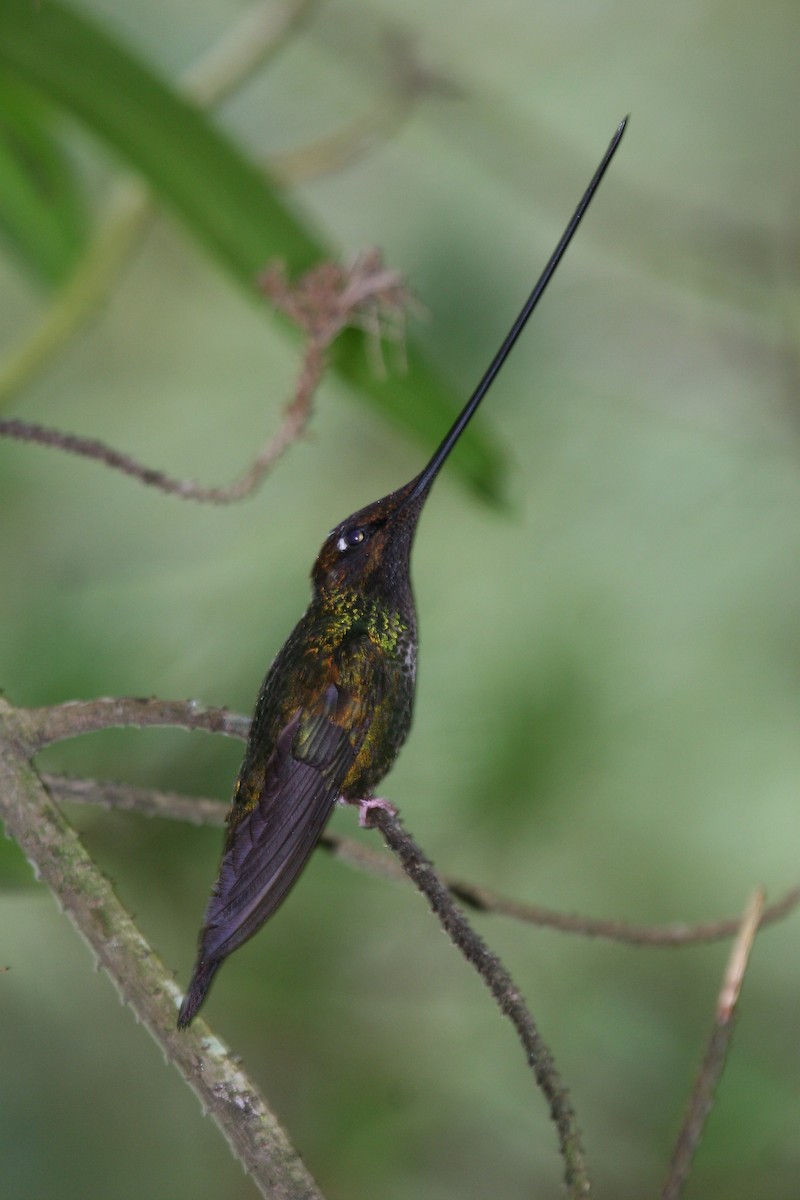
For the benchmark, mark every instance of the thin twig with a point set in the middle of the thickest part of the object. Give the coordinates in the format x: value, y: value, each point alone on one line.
x: 40, y: 727
x: 675, y: 934
x: 497, y: 979
x: 257, y: 37
x: 323, y: 302
x: 124, y: 797
x: 702, y: 1098
x: 290, y: 430
x: 60, y: 860
x: 202, y: 810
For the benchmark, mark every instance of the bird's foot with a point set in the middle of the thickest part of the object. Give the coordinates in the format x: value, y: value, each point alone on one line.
x: 366, y: 806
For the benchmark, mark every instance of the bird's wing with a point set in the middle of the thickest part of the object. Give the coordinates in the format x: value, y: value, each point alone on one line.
x: 268, y: 847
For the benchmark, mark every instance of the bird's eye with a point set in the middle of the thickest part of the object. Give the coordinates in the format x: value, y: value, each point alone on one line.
x: 353, y: 537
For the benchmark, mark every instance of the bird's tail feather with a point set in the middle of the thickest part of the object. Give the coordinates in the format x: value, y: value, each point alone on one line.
x: 196, y: 992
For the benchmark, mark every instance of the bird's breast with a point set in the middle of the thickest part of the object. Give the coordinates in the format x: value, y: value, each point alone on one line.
x: 388, y: 731
x: 391, y: 698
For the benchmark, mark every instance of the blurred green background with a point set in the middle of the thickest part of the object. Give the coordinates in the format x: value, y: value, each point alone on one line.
x: 607, y: 710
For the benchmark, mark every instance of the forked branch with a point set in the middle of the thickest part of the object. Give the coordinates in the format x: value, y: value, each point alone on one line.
x: 59, y: 860
x: 52, y: 846
x: 35, y: 728
x: 322, y: 303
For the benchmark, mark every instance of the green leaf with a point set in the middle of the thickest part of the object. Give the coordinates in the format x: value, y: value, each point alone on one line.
x: 210, y: 185
x: 42, y: 215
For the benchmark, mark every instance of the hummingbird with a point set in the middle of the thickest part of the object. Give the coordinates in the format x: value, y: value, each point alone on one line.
x: 336, y: 704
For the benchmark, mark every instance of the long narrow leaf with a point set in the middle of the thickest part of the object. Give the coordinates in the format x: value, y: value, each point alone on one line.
x: 42, y: 214
x: 207, y: 182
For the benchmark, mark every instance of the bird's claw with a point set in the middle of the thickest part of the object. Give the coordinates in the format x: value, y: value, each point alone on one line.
x: 365, y: 807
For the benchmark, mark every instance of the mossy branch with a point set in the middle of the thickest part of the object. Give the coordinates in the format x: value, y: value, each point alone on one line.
x: 63, y: 864
x: 502, y: 987
x: 60, y: 861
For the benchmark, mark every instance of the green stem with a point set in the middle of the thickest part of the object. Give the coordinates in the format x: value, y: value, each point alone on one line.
x: 126, y: 217
x: 258, y: 36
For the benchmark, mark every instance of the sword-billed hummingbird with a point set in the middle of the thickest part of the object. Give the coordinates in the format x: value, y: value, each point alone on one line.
x: 335, y: 707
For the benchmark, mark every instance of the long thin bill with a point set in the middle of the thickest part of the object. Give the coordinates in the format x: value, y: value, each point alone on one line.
x: 425, y: 479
